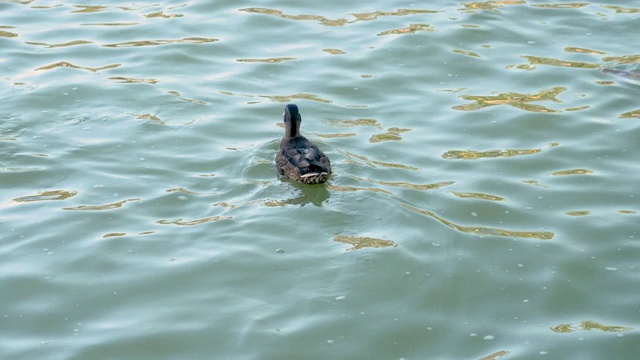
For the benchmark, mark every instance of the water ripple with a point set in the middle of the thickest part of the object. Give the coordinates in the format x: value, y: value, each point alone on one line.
x: 188, y: 40
x: 481, y: 230
x: 589, y: 325
x: 474, y: 155
x: 7, y: 34
x: 65, y: 64
x: 411, y: 29
x: 110, y: 206
x: 538, y: 60
x: 374, y: 163
x: 47, y: 196
x: 561, y: 6
x: 514, y: 99
x: 366, y: 16
x: 492, y: 5
x: 61, y: 45
x: 268, y: 60
x: 182, y: 222
x: 475, y: 195
x: 391, y: 134
x: 622, y: 10
x: 362, y: 242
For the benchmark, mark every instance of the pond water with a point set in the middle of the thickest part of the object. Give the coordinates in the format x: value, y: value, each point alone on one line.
x: 484, y: 201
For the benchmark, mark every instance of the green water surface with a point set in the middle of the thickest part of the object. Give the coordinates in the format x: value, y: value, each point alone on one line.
x: 484, y: 201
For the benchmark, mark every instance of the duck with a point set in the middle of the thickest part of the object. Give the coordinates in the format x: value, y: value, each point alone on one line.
x: 298, y: 158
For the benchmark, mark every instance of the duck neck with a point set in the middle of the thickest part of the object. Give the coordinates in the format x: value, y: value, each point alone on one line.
x: 293, y: 128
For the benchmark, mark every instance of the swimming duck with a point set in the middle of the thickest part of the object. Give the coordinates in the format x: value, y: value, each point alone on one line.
x: 298, y: 158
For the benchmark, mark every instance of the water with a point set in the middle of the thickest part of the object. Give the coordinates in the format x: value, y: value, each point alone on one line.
x: 484, y: 203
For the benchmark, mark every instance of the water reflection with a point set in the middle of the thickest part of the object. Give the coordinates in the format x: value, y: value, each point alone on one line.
x: 267, y: 60
x: 481, y: 230
x: 573, y: 172
x: 334, y: 51
x: 474, y: 195
x: 278, y: 13
x: 367, y: 16
x: 473, y: 155
x: 150, y: 117
x: 391, y: 134
x: 110, y: 206
x: 622, y: 10
x: 7, y: 34
x: 517, y: 100
x: 467, y: 53
x: 578, y: 213
x: 68, y: 43
x: 492, y: 6
x: 355, y: 188
x: 70, y: 65
x: 412, y: 28
x: 183, y: 222
x: 364, y: 160
x: 630, y: 114
x: 188, y: 40
x: 128, y: 80
x: 538, y: 60
x: 561, y: 6
x: 407, y: 185
x: 588, y: 325
x: 496, y: 355
x: 162, y: 14
x: 280, y: 98
x: 361, y: 242
x: 583, y: 50
x: 307, y: 194
x: 193, y: 101
x: 47, y: 196
x: 355, y: 122
x: 333, y: 136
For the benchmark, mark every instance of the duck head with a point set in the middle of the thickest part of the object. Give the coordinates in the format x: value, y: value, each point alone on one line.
x: 292, y: 120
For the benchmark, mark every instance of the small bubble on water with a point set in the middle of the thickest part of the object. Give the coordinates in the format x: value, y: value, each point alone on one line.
x: 543, y: 353
x: 330, y: 341
x: 182, y: 197
x: 340, y: 298
x: 474, y: 214
x: 489, y: 337
x: 473, y: 334
x: 611, y: 268
x: 280, y: 251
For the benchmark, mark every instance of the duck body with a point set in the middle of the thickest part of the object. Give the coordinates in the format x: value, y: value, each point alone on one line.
x: 298, y: 158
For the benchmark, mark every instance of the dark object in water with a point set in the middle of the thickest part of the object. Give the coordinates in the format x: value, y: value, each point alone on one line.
x: 629, y: 73
x: 298, y: 158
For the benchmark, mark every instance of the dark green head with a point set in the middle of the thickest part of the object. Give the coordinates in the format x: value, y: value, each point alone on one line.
x: 292, y: 120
